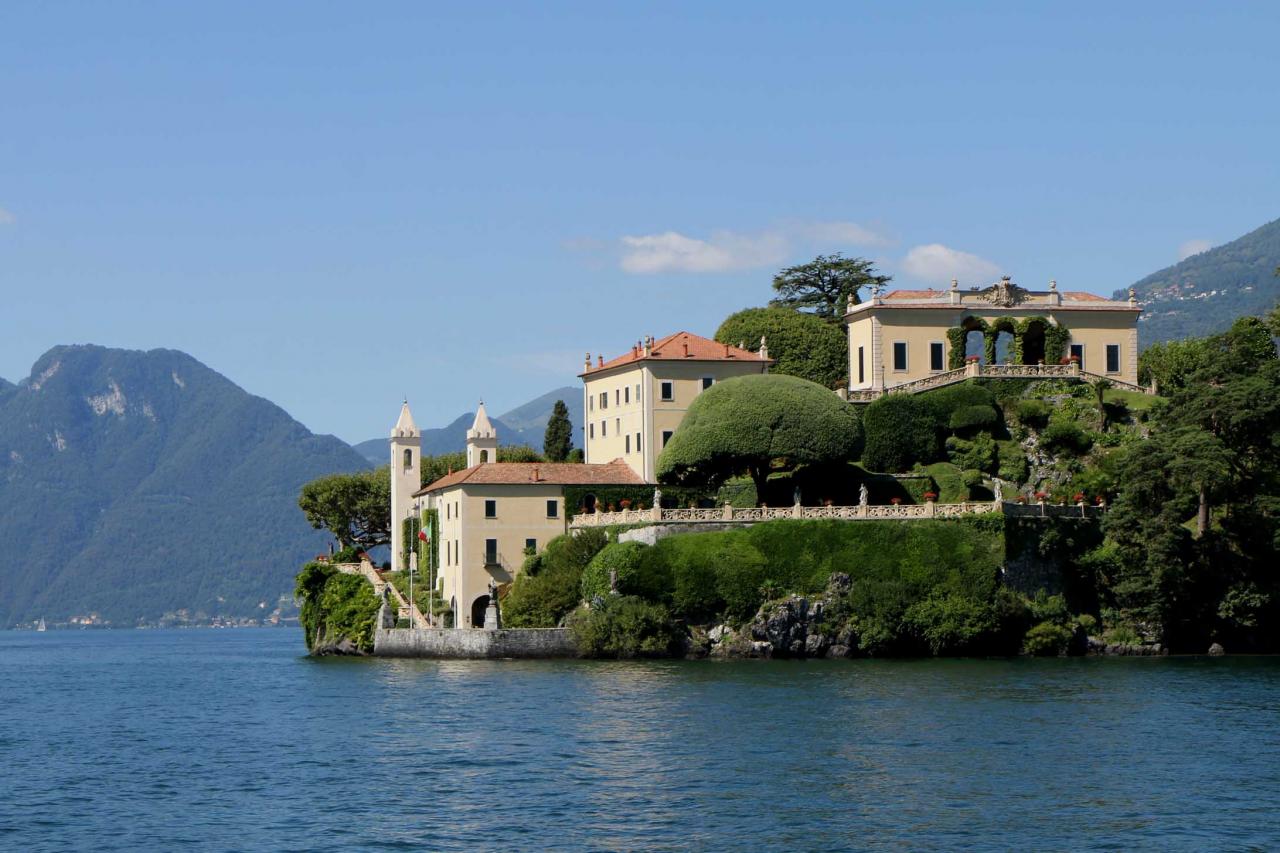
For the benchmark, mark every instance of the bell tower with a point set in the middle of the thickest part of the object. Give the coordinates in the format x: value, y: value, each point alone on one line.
x: 482, y: 440
x: 406, y: 448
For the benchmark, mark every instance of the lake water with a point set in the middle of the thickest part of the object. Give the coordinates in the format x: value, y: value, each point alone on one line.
x: 234, y: 740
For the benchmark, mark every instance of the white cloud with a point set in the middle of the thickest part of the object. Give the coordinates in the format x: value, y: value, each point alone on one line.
x: 722, y: 252
x: 7, y: 218
x: 850, y: 233
x: 1193, y: 247
x: 726, y: 251
x: 935, y: 263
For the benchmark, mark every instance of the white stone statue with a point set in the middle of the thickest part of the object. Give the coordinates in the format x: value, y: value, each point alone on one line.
x: 999, y: 493
x: 862, y: 495
x: 795, y: 496
x: 657, y: 498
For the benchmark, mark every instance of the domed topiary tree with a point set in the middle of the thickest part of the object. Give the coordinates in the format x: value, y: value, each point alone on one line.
x: 803, y: 345
x: 750, y: 422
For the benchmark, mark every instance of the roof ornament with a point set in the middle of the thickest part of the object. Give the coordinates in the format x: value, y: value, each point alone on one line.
x: 1005, y: 293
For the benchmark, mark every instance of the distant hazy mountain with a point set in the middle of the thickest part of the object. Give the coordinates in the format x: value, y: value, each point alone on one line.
x: 525, y: 424
x: 1206, y: 292
x: 135, y: 484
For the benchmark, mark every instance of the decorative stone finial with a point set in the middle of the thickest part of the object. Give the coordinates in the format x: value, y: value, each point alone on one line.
x: 1133, y: 296
x: 1053, y: 285
x: 955, y: 284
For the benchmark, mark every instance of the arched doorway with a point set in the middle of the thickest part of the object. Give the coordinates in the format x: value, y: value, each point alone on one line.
x: 589, y: 502
x: 1033, y: 342
x: 478, y: 607
x: 1004, y: 341
x: 975, y: 343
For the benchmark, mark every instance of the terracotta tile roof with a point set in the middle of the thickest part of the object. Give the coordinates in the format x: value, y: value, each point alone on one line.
x: 678, y: 347
x: 915, y: 294
x: 615, y: 473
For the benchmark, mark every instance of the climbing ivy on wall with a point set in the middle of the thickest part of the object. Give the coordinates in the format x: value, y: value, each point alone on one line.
x: 1056, y: 338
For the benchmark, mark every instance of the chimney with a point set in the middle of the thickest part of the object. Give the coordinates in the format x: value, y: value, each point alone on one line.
x: 599, y: 361
x: 726, y: 351
x: 535, y: 473
x: 686, y: 349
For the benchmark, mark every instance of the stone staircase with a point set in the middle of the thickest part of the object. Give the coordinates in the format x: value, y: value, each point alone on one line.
x: 976, y: 370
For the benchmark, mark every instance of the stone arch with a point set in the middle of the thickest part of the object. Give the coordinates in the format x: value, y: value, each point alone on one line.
x: 997, y: 327
x: 484, y: 456
x: 1033, y: 340
x: 589, y: 502
x: 478, y: 607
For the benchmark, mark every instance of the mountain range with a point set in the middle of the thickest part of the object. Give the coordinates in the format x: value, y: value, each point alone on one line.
x: 1205, y: 293
x: 146, y: 487
x: 525, y: 424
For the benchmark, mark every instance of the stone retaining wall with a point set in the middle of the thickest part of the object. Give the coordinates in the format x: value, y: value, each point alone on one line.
x: 474, y: 644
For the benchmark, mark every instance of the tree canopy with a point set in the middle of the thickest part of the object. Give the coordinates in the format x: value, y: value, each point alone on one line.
x: 749, y: 422
x: 824, y: 284
x: 355, y: 508
x: 558, y: 440
x: 803, y: 344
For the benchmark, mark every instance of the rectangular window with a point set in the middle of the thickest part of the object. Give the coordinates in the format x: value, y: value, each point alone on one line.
x: 935, y: 355
x: 626, y: 394
x: 637, y: 442
x: 666, y: 436
x: 553, y: 508
x: 604, y: 399
x: 628, y: 444
x: 862, y: 374
x: 448, y: 511
x: 637, y: 392
x: 617, y: 425
x: 531, y: 545
x: 617, y: 396
x: 1078, y: 351
x: 668, y: 391
x: 591, y: 403
x: 899, y: 355
x: 490, y: 509
x: 604, y: 428
x: 491, y: 552
x: 591, y: 431
x: 707, y: 382
x: 1113, y: 358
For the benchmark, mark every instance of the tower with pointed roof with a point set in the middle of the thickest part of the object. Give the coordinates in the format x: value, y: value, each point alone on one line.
x: 406, y: 465
x: 482, y: 440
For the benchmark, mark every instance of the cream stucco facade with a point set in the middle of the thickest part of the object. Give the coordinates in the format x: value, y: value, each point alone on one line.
x: 632, y: 404
x: 902, y: 336
x: 489, y: 513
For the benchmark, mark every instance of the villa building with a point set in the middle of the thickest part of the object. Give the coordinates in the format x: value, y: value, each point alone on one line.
x: 632, y: 404
x: 491, y: 514
x: 910, y: 335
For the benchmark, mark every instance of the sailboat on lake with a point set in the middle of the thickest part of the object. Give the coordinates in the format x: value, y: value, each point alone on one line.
x: 40, y: 626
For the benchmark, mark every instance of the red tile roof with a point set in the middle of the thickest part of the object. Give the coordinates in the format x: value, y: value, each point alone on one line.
x: 615, y: 473
x: 914, y: 294
x: 679, y: 347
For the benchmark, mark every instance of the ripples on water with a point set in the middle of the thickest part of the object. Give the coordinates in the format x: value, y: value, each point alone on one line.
x: 232, y: 740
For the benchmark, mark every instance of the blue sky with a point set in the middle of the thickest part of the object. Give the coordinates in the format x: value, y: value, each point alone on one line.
x: 338, y: 205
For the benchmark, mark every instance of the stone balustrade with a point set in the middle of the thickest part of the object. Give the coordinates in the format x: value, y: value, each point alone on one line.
x: 929, y: 509
x: 977, y: 370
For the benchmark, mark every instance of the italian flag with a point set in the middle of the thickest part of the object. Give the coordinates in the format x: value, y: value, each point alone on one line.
x: 422, y: 534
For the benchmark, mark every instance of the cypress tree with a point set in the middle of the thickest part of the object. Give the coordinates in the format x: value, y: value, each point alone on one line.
x: 559, y: 437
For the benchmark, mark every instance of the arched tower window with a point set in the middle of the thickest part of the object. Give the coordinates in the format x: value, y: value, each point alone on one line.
x: 408, y: 459
x: 484, y: 456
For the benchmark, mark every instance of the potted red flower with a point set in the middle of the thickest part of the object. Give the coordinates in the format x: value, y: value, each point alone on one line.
x: 1079, y: 498
x: 970, y: 359
x: 1041, y: 496
x: 625, y: 503
x: 931, y: 496
x: 895, y: 501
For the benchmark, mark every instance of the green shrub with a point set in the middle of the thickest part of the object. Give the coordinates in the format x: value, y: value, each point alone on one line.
x: 946, y: 402
x: 1065, y: 436
x: 1047, y: 639
x: 801, y: 343
x: 1033, y: 413
x: 900, y: 430
x: 624, y: 626
x: 978, y: 452
x: 335, y: 605
x: 1049, y: 608
x: 620, y: 557
x: 1014, y: 468
x: 544, y: 596
x: 950, y: 624
x: 1088, y: 624
x: 971, y: 477
x: 972, y: 418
